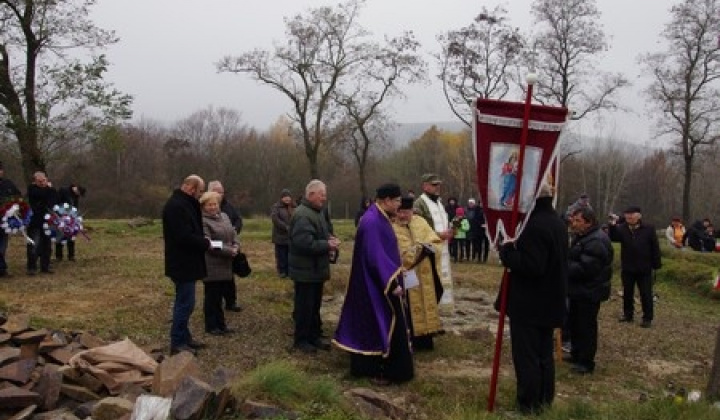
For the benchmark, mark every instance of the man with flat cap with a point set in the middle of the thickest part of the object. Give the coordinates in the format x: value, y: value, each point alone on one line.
x: 429, y: 206
x: 639, y: 256
x: 373, y: 327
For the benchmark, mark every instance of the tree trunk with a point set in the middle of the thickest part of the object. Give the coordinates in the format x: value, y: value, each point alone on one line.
x: 713, y: 388
x: 686, y: 188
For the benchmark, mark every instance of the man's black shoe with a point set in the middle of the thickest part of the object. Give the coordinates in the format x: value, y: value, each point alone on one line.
x: 197, y: 345
x: 216, y: 331
x: 305, y: 347
x: 227, y: 330
x: 646, y: 324
x: 568, y: 358
x: 234, y: 308
x: 181, y: 348
x: 321, y: 344
x: 31, y: 272
x: 48, y: 271
x: 625, y: 319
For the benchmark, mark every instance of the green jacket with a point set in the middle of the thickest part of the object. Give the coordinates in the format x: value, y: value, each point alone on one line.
x: 309, y: 249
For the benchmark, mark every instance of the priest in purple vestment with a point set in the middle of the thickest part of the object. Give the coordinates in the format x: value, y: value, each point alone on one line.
x: 373, y: 325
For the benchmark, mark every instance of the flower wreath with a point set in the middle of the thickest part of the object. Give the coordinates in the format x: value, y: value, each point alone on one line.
x: 16, y: 215
x: 63, y: 223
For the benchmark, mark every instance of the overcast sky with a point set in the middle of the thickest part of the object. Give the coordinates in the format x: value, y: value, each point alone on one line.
x: 167, y: 50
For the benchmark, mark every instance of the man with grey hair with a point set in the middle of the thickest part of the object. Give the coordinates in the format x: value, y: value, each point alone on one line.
x: 311, y: 245
x: 230, y: 293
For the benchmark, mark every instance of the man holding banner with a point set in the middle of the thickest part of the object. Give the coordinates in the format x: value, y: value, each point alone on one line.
x: 537, y: 263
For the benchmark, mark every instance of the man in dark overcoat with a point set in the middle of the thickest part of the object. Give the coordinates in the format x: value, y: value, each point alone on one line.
x: 185, y: 247
x: 537, y: 289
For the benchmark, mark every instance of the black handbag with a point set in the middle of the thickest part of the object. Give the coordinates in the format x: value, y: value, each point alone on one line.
x: 240, y: 265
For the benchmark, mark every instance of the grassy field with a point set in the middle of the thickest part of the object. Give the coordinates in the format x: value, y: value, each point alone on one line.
x: 117, y: 289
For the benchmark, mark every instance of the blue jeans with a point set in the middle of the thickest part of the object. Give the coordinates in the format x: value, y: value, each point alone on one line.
x: 3, y: 250
x: 182, y: 309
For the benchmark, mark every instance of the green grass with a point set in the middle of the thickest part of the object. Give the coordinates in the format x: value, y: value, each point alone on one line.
x: 117, y: 289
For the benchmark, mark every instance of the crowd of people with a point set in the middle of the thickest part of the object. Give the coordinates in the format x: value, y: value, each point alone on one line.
x: 41, y: 199
x: 559, y: 270
x: 700, y: 236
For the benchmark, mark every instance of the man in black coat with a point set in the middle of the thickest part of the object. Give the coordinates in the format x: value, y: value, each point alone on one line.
x: 589, y: 274
x: 8, y: 191
x: 69, y: 195
x: 639, y: 256
x: 537, y: 288
x: 185, y: 247
x: 41, y: 198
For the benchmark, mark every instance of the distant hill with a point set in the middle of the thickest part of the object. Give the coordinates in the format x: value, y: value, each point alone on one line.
x: 405, y: 133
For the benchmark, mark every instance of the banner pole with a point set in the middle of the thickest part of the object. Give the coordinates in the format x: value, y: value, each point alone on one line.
x: 531, y: 79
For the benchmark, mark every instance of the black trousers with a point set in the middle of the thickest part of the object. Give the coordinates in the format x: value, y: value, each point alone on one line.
x: 532, y: 353
x: 644, y: 285
x: 230, y: 294
x: 70, y: 250
x: 41, y: 250
x: 306, y: 311
x: 212, y: 304
x: 480, y: 248
x: 583, y: 324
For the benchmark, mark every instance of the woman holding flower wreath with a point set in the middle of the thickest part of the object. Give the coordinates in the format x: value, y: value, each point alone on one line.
x: 8, y: 193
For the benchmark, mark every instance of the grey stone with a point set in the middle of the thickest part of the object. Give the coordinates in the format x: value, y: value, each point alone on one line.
x: 191, y: 398
x: 257, y: 410
x: 171, y: 371
x: 111, y: 408
x: 78, y: 393
x: 48, y: 387
x: 8, y: 355
x: 16, y: 324
x: 14, y: 397
x: 364, y: 397
x: 18, y: 372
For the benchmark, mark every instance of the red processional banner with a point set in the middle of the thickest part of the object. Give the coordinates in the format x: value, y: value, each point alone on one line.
x: 497, y: 138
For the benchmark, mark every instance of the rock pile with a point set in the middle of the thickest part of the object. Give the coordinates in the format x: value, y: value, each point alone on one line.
x: 44, y: 376
x: 59, y: 375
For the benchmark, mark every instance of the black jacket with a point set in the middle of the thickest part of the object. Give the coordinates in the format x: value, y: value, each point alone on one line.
x: 590, y: 266
x: 185, y: 242
x: 8, y: 189
x: 697, y: 238
x: 67, y: 195
x: 232, y: 213
x: 538, y: 268
x: 41, y: 201
x: 639, y: 247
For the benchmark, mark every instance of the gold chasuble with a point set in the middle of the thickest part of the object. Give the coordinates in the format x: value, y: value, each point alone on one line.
x: 422, y: 298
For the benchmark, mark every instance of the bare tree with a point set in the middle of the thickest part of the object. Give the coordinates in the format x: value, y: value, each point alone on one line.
x: 564, y: 53
x: 48, y: 99
x: 684, y: 88
x: 377, y: 81
x: 475, y: 61
x: 322, y: 47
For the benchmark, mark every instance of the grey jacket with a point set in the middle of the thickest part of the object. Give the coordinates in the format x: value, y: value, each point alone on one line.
x: 219, y: 261
x: 309, y: 248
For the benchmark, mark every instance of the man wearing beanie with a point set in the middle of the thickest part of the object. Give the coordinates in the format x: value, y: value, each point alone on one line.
x: 639, y: 256
x: 372, y: 325
x: 280, y: 213
x: 537, y: 288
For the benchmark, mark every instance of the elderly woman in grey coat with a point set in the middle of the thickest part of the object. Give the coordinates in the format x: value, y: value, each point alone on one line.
x: 218, y: 258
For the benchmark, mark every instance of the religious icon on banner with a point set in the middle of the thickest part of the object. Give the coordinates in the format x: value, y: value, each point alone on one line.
x: 502, y: 188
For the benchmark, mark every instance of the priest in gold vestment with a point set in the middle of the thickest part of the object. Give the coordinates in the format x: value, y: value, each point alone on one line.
x: 420, y: 250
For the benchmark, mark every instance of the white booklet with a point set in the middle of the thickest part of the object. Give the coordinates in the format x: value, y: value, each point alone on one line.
x: 411, y: 279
